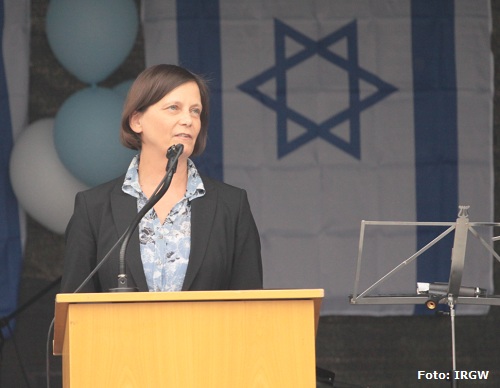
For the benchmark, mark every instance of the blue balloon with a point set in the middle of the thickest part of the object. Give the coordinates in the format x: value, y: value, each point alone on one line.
x: 87, y: 136
x: 123, y: 87
x: 91, y: 38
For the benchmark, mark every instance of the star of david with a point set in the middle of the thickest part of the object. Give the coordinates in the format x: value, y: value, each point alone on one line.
x: 354, y: 73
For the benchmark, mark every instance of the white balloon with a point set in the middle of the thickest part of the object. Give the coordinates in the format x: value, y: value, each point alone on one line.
x: 41, y: 183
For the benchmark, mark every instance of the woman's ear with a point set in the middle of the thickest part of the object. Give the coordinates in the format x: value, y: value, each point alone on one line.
x: 135, y: 122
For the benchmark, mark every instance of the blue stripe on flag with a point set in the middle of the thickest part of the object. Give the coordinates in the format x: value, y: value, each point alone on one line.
x: 436, y: 137
x: 199, y: 50
x: 10, y: 241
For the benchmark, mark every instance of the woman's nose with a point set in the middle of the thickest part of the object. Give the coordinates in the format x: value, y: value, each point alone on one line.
x: 186, y: 118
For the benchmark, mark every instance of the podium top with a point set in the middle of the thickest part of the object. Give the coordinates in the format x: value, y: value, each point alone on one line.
x: 64, y: 300
x: 113, y: 297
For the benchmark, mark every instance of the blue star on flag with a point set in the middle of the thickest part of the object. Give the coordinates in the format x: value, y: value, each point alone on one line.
x: 354, y: 73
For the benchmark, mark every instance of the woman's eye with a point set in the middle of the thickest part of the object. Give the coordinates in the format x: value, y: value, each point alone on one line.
x: 196, y: 111
x: 172, y: 107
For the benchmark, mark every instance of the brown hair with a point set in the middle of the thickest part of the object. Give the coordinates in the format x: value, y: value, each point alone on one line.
x: 150, y: 87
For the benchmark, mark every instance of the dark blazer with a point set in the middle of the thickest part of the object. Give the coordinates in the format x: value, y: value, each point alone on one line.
x: 225, y: 244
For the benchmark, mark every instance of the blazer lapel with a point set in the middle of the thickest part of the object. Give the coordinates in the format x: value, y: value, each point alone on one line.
x: 124, y: 209
x: 202, y: 216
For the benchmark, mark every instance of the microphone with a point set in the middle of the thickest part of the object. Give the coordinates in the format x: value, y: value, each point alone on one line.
x: 173, y: 154
x: 441, y: 289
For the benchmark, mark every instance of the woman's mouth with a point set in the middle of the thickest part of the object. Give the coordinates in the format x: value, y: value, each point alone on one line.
x: 183, y: 135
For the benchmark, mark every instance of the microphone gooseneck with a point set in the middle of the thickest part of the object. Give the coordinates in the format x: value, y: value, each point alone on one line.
x: 173, y: 154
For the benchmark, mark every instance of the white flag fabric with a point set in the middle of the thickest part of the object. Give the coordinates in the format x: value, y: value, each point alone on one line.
x: 14, y: 75
x: 333, y: 112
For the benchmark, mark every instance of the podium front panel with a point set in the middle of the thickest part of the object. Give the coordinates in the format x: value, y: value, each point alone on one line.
x: 228, y: 343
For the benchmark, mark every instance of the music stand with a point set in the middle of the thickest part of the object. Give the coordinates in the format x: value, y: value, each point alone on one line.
x: 451, y: 293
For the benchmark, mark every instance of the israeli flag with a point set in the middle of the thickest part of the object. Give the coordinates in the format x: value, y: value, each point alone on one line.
x: 14, y: 71
x: 333, y: 112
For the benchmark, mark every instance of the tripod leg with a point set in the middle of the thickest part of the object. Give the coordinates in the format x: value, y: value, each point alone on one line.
x: 451, y: 303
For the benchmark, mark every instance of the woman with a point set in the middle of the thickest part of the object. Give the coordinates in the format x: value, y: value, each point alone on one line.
x: 201, y: 235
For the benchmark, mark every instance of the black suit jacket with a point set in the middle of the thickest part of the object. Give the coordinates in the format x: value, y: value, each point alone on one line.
x: 225, y: 244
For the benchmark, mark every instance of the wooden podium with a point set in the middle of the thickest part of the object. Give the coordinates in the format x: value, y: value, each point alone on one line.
x: 261, y: 338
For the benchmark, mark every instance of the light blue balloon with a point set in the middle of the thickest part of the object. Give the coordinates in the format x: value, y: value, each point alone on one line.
x: 123, y: 87
x: 87, y: 136
x: 91, y: 38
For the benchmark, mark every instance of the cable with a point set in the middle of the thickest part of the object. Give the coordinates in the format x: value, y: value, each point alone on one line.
x: 5, y: 322
x: 47, y: 355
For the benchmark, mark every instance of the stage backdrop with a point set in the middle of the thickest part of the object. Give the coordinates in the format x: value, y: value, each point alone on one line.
x: 14, y: 70
x: 332, y: 112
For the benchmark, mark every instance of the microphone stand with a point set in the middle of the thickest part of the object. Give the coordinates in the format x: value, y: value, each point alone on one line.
x: 173, y: 154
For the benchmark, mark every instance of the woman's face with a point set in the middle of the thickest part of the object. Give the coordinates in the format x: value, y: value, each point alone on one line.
x: 173, y: 120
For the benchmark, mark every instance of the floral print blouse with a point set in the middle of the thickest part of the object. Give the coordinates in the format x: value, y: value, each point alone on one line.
x: 165, y: 247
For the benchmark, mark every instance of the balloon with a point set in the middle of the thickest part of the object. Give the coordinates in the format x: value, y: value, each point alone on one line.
x: 123, y: 87
x: 87, y: 136
x: 43, y: 186
x: 91, y: 38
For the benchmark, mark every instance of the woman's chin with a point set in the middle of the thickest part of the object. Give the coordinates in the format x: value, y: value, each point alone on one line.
x: 188, y: 148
